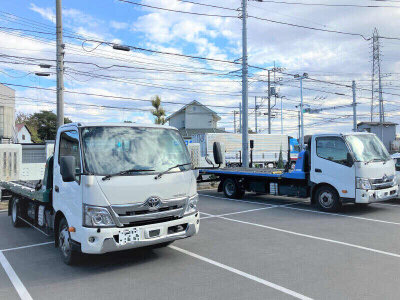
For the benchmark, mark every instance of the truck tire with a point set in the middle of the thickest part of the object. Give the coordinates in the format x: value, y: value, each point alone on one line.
x: 327, y: 199
x: 69, y: 256
x: 15, y: 213
x: 231, y: 189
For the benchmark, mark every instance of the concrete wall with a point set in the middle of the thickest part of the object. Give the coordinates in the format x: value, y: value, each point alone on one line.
x: 23, y: 136
x: 7, y: 111
x: 10, y: 162
x: 389, y: 133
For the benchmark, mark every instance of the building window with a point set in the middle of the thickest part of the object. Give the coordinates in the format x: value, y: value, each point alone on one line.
x: 23, y: 137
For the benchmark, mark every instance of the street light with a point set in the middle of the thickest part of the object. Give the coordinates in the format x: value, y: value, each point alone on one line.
x: 121, y: 47
x: 301, y: 77
x: 42, y: 74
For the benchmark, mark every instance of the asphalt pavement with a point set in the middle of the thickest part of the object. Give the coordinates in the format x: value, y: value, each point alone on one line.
x: 260, y: 247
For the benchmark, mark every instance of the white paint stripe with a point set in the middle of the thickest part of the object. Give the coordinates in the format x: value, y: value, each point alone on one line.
x: 3, y: 210
x: 243, y: 274
x: 235, y: 200
x: 341, y: 215
x: 235, y: 213
x: 246, y: 211
x: 314, y: 237
x: 28, y: 246
x: 17, y: 283
x: 210, y: 189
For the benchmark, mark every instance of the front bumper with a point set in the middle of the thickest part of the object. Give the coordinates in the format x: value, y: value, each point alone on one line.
x: 105, y: 240
x: 370, y: 196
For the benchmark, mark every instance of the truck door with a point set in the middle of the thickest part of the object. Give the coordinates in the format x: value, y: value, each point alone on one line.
x: 68, y: 195
x: 329, y: 165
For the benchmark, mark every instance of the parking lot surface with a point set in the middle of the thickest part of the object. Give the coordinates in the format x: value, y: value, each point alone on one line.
x: 260, y: 247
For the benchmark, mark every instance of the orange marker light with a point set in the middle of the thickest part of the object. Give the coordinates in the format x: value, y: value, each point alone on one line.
x: 71, y: 229
x: 344, y: 191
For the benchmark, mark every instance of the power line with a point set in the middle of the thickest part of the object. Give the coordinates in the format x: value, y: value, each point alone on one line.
x: 328, y: 5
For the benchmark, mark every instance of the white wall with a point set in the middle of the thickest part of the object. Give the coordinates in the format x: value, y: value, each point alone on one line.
x: 198, y: 117
x: 7, y: 111
x: 24, y: 133
x: 10, y: 161
x: 178, y: 120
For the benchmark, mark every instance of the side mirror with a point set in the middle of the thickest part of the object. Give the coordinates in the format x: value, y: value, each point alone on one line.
x: 217, y: 153
x: 38, y: 185
x: 67, y: 168
x: 349, y: 160
x: 397, y: 168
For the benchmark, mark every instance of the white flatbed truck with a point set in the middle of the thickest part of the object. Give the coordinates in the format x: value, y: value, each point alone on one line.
x: 335, y: 169
x: 110, y: 187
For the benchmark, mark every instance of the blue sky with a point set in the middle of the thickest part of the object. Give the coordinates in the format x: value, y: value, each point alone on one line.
x: 324, y: 56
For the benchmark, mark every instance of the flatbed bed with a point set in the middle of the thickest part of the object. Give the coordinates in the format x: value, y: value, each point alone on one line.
x: 256, y: 172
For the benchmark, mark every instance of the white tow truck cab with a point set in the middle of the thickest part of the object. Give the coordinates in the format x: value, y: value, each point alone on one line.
x: 114, y: 187
x: 334, y: 169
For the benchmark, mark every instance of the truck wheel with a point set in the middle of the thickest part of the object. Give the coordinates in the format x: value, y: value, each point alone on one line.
x: 231, y: 189
x: 68, y: 255
x: 15, y: 220
x: 327, y: 199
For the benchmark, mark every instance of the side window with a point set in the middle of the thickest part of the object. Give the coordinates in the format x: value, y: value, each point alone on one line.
x: 69, y: 146
x: 333, y: 149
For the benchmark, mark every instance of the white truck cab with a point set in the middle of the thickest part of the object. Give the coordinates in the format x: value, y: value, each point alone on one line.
x: 356, y: 166
x: 121, y: 186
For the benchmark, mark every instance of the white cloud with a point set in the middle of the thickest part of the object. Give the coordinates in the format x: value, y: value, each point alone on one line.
x: 119, y: 25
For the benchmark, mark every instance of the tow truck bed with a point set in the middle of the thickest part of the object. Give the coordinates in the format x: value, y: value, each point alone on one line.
x: 255, y: 172
x: 25, y: 189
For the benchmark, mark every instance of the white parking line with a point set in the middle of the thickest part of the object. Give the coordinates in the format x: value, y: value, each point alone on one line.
x: 243, y: 274
x: 17, y: 283
x: 314, y: 237
x: 28, y: 246
x: 235, y: 200
x: 246, y: 211
x: 3, y: 210
x: 342, y: 215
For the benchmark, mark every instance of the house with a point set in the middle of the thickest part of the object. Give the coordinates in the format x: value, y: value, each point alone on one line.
x: 23, y: 134
x: 386, y: 132
x: 7, y: 113
x: 194, y: 118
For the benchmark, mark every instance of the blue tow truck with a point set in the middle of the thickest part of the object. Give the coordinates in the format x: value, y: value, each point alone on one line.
x: 333, y: 170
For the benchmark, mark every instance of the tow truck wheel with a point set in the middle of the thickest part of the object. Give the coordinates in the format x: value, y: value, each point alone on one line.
x: 231, y: 189
x: 68, y: 255
x: 15, y: 220
x: 327, y: 199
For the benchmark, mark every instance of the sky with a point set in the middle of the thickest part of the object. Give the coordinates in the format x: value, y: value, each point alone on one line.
x: 103, y: 84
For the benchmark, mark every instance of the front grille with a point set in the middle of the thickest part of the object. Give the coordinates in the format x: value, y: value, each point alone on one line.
x: 149, y: 222
x: 139, y: 214
x: 383, y: 183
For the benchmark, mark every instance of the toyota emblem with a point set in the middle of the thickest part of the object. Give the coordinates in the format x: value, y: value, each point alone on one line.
x: 153, y: 203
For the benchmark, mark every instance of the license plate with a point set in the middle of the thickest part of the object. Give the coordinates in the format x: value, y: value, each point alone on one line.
x: 129, y: 236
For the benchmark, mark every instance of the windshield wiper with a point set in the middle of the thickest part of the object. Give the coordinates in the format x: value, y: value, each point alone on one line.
x: 374, y: 159
x: 158, y: 176
x: 125, y: 172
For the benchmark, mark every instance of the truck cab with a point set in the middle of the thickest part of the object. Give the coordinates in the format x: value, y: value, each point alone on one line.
x: 112, y: 187
x: 348, y: 168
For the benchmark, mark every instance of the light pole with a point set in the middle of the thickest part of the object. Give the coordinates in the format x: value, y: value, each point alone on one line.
x: 282, y: 114
x: 301, y: 77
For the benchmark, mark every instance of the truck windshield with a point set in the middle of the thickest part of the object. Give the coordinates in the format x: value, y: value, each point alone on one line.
x: 367, y: 148
x: 109, y: 150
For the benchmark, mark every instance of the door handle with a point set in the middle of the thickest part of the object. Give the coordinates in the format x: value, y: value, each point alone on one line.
x: 318, y: 170
x: 56, y: 188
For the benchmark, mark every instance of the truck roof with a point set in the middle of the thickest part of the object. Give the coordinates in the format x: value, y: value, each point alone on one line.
x: 343, y: 133
x: 110, y: 124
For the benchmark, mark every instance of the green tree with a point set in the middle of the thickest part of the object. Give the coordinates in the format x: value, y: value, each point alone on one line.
x: 45, y: 124
x: 23, y: 118
x: 158, y: 111
x: 280, y: 164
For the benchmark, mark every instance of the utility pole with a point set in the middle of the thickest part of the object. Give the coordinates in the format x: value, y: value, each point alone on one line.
x: 282, y: 114
x: 234, y: 121
x: 269, y: 102
x: 298, y: 119
x: 305, y: 75
x: 354, y: 107
x: 376, y: 78
x: 60, y: 65
x: 245, y: 131
x: 240, y: 117
x: 255, y: 112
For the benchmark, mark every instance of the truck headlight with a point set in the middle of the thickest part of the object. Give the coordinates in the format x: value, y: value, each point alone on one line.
x: 363, y: 183
x: 94, y: 216
x: 192, y: 204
